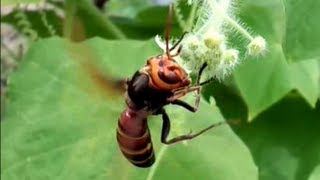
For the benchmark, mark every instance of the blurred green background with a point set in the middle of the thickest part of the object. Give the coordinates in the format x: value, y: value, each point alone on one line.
x: 57, y: 123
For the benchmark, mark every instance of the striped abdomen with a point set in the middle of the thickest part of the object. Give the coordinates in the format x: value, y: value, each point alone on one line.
x: 134, y: 138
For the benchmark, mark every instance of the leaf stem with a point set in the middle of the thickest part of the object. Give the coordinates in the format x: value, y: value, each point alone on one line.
x: 114, y: 29
x: 94, y: 22
x: 67, y: 28
x: 191, y: 18
x: 233, y: 23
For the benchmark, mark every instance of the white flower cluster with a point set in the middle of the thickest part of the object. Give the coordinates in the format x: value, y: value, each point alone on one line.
x: 208, y: 42
x: 210, y: 49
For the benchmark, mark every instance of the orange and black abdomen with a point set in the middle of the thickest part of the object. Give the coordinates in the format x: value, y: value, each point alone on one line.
x: 134, y: 139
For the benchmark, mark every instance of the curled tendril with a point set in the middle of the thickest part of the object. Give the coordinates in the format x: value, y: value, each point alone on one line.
x: 46, y: 23
x: 24, y: 23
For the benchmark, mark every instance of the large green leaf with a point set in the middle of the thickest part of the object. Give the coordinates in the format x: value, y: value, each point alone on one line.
x: 147, y: 23
x: 127, y: 8
x: 84, y: 20
x: 16, y: 2
x: 305, y: 77
x: 315, y: 174
x: 60, y: 125
x: 302, y: 40
x: 292, y: 23
x: 263, y: 83
x: 283, y: 139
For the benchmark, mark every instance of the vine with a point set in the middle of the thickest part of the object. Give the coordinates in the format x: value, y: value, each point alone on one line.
x: 45, y: 21
x: 24, y: 23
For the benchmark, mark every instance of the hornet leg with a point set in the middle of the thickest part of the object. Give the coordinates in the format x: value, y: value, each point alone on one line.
x: 185, y: 105
x: 166, y: 130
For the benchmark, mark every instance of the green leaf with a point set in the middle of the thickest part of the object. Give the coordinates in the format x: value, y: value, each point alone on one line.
x: 147, y: 23
x: 281, y: 140
x: 84, y: 20
x: 315, y: 173
x: 127, y: 8
x: 60, y: 124
x: 16, y: 2
x: 281, y: 22
x: 263, y: 82
x: 302, y: 40
x: 266, y: 18
x: 305, y: 77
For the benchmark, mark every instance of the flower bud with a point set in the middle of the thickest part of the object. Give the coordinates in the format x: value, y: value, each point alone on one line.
x: 213, y: 40
x: 231, y: 57
x: 257, y: 46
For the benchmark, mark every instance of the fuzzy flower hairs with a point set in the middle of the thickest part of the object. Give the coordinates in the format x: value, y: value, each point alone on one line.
x: 207, y: 42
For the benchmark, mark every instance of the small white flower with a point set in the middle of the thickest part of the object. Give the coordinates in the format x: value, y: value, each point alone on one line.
x: 207, y: 42
x: 189, y: 2
x: 231, y: 57
x: 192, y: 41
x: 257, y: 46
x: 214, y: 40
